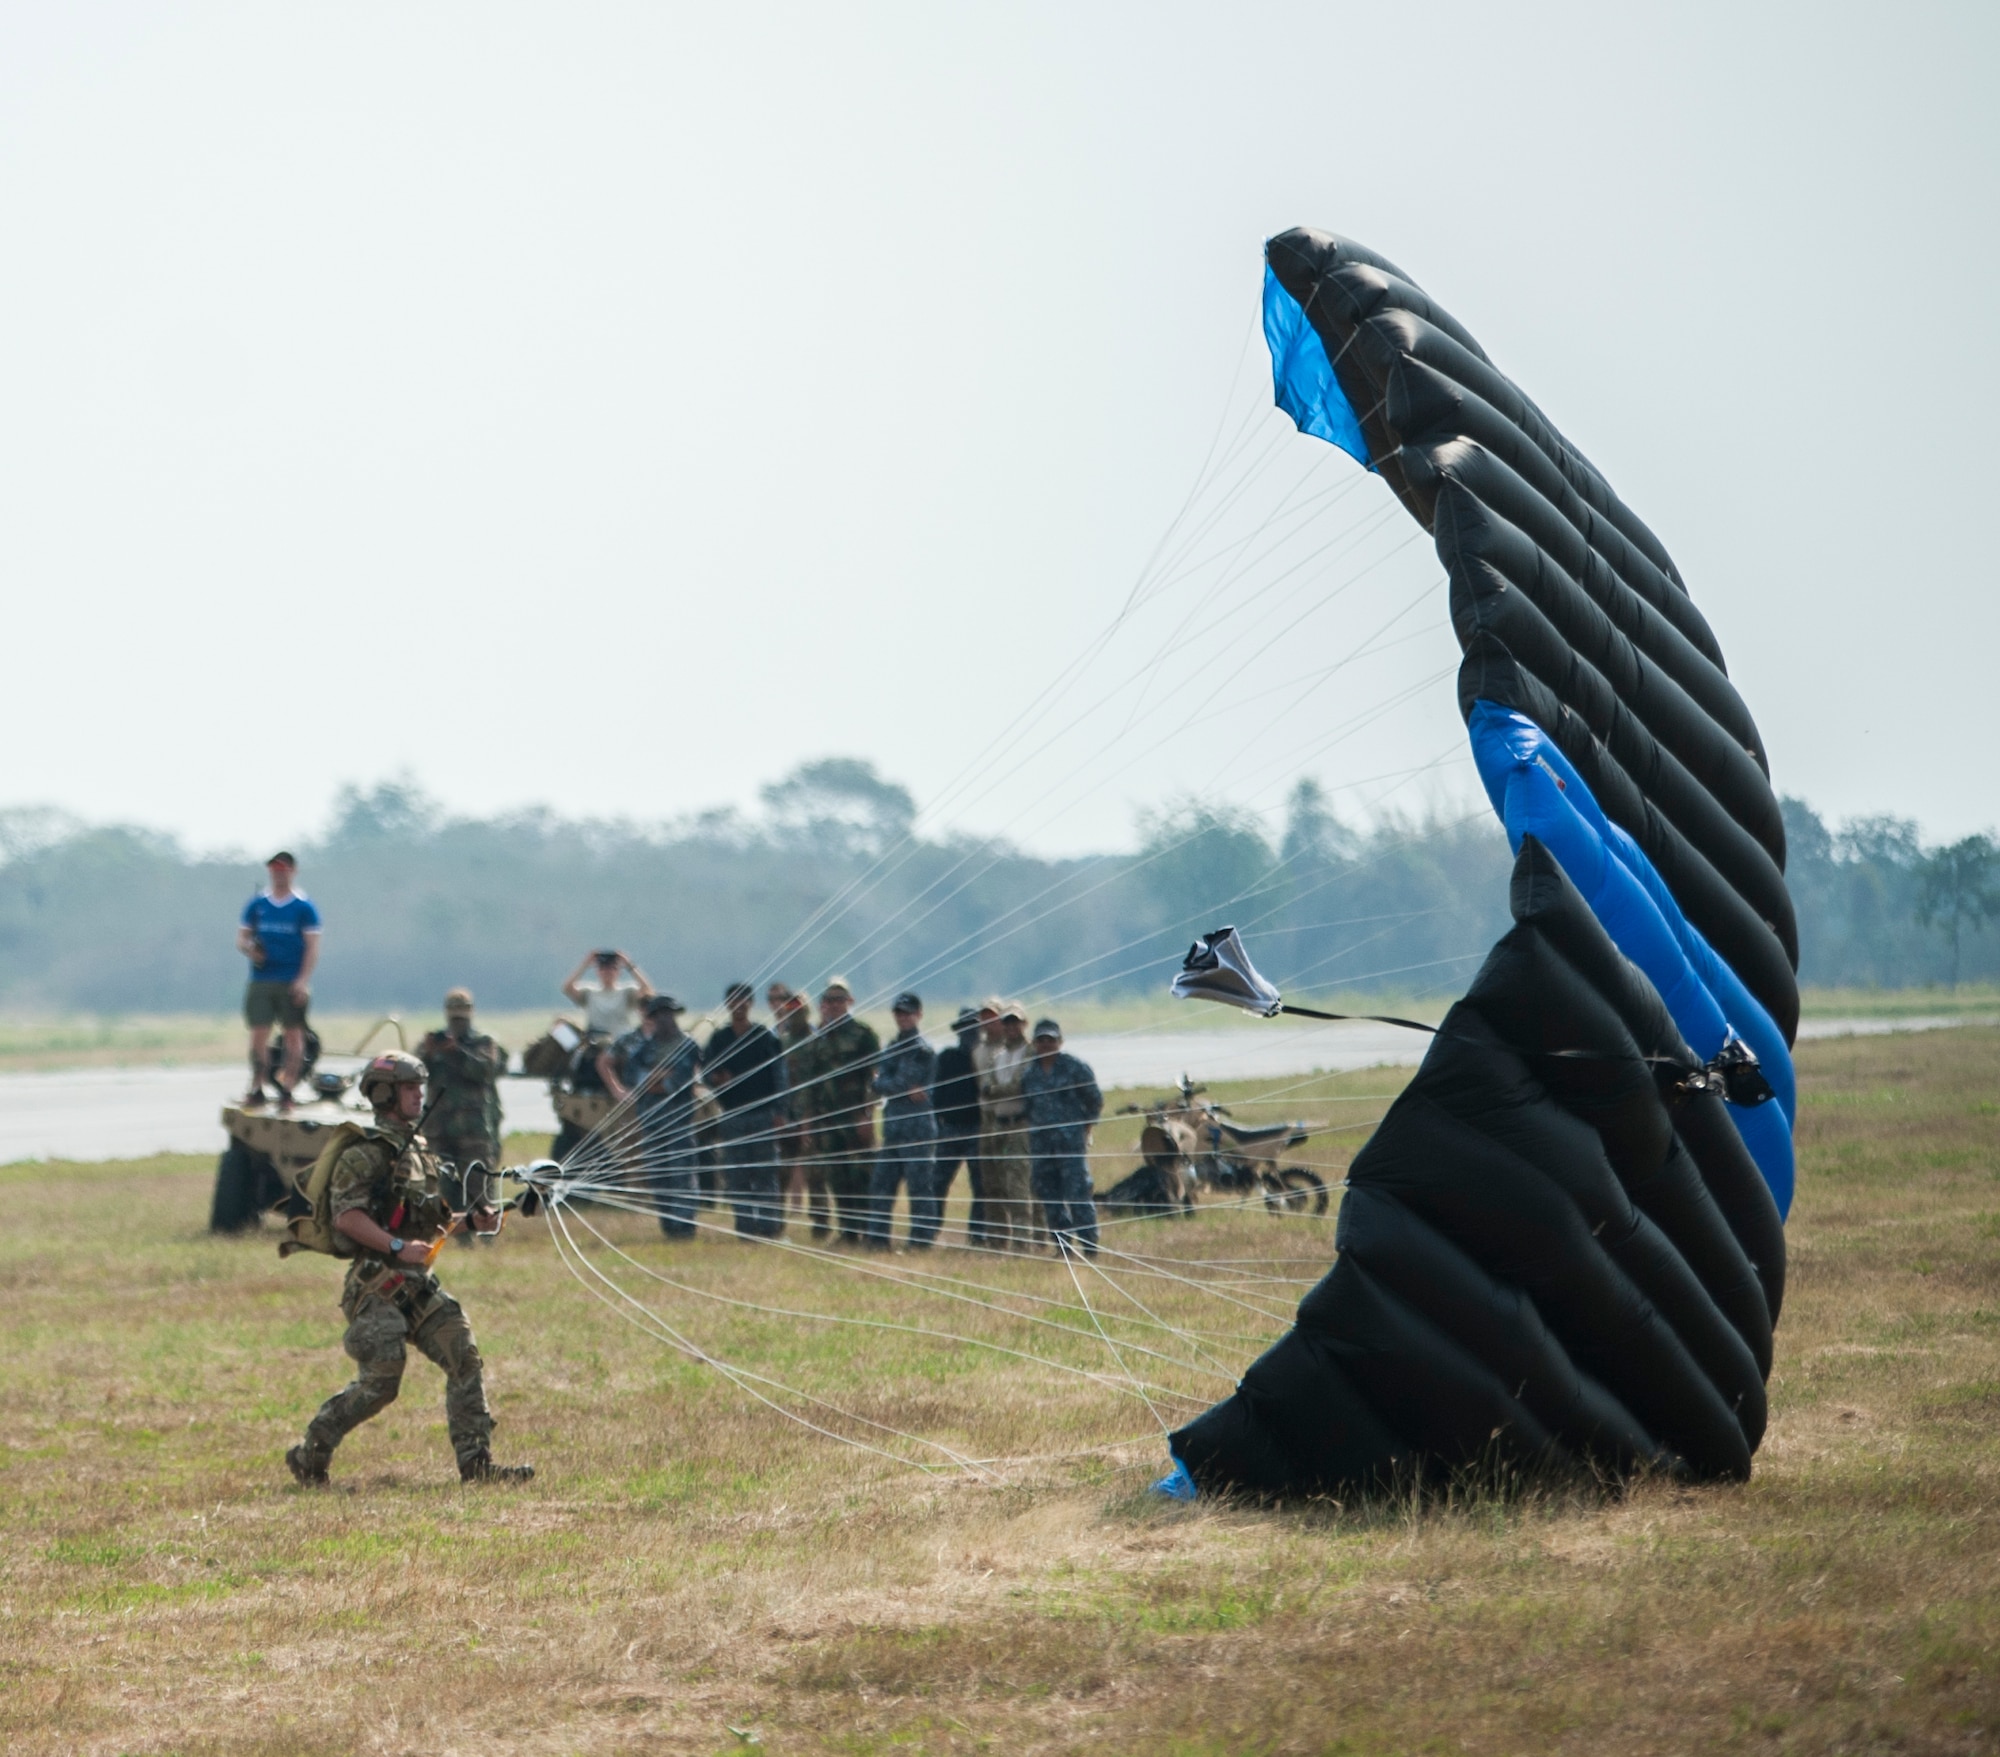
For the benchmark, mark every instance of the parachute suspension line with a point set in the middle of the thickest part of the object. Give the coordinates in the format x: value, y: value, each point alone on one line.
x: 748, y: 1382
x: 865, y: 882
x: 972, y: 941
x: 1280, y: 1317
x: 904, y: 1329
x: 959, y: 787
x: 872, y: 1271
x: 1126, y: 1294
x: 1063, y: 1251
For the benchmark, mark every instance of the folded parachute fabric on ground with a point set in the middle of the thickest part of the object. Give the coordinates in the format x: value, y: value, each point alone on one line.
x: 1563, y: 1245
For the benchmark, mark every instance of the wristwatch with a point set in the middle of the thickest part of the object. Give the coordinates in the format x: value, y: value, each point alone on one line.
x: 395, y: 1246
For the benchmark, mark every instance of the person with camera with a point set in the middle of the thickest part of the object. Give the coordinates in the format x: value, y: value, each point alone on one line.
x: 464, y: 1065
x: 611, y: 1004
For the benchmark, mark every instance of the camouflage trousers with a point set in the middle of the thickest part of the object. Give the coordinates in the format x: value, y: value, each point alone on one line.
x: 1010, y: 1207
x: 842, y: 1161
x: 378, y: 1332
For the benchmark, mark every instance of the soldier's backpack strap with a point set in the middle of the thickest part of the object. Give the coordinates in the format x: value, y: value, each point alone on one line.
x: 313, y: 1230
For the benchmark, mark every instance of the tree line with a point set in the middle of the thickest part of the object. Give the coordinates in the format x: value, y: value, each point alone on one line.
x: 830, y: 874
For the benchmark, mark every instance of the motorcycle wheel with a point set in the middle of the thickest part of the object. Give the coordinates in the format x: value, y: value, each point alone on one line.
x: 1295, y: 1190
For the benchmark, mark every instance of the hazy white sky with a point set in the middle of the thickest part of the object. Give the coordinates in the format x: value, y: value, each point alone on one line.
x: 612, y: 406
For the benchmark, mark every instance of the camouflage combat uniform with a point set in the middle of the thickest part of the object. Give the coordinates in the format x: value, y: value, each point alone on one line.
x: 1063, y: 1100
x: 464, y: 1069
x: 794, y: 1029
x: 835, y: 1070
x: 392, y: 1177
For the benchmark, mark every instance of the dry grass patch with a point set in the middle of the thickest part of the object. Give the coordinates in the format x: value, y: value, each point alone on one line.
x: 690, y: 1563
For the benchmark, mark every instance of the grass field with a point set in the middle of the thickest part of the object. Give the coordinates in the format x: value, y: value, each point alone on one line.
x: 692, y: 1572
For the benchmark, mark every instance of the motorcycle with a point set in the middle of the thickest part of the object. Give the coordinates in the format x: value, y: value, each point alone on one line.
x: 1188, y: 1145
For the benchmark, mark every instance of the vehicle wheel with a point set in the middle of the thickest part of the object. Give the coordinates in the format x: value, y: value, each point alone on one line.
x: 235, y: 1205
x: 1295, y: 1190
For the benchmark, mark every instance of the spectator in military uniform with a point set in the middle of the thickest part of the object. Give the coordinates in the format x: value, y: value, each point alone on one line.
x: 1062, y: 1100
x: 464, y: 1066
x: 386, y: 1210
x: 804, y: 1184
x: 744, y: 1066
x: 655, y: 1067
x: 985, y: 1046
x: 955, y: 1104
x: 908, y: 1155
x: 1010, y: 1221
x: 279, y: 934
x: 835, y: 1070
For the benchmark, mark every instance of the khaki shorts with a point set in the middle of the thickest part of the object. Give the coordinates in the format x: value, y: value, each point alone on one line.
x: 271, y: 1003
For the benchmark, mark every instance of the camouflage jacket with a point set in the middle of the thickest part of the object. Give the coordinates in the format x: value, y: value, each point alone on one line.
x: 1063, y: 1101
x: 661, y: 1071
x: 465, y: 1073
x: 908, y: 1062
x: 833, y: 1074
x: 391, y: 1175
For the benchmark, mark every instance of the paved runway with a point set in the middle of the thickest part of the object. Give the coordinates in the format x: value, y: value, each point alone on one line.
x: 125, y: 1113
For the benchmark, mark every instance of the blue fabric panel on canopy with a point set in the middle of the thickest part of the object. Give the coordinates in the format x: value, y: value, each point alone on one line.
x: 1302, y: 377
x: 1536, y: 792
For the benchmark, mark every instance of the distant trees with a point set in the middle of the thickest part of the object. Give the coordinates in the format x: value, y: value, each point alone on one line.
x: 1957, y: 888
x: 1860, y: 894
x: 110, y: 918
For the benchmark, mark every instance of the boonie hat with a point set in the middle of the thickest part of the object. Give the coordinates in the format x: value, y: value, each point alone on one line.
x: 906, y: 1002
x: 458, y: 1000
x: 1048, y: 1028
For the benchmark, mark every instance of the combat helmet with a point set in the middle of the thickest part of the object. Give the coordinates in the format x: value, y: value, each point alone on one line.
x: 380, y: 1078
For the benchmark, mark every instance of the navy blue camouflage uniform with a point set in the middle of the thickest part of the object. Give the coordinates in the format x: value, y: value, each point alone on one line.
x: 747, y: 1075
x: 1062, y: 1100
x: 661, y: 1071
x: 909, y: 1142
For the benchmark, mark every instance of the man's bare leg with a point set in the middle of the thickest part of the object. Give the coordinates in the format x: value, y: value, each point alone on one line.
x: 260, y: 1043
x: 295, y: 1059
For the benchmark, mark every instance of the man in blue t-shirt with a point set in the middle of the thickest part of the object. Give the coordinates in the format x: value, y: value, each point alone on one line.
x: 280, y: 937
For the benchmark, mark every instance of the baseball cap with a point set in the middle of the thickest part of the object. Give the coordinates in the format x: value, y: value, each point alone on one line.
x: 907, y: 1002
x: 1048, y: 1028
x: 836, y: 985
x: 663, y: 1003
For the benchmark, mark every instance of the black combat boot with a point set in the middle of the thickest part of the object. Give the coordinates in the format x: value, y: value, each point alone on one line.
x: 307, y: 1472
x: 481, y: 1468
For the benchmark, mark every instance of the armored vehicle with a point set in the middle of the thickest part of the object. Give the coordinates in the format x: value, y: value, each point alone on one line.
x: 270, y: 1146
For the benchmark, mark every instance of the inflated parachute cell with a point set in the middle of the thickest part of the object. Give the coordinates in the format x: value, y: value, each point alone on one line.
x: 1551, y: 570
x: 1565, y: 1241
x: 1554, y: 1249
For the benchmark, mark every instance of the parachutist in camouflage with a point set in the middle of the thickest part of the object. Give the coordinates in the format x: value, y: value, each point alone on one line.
x: 464, y: 1068
x: 834, y: 1073
x: 386, y: 1209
